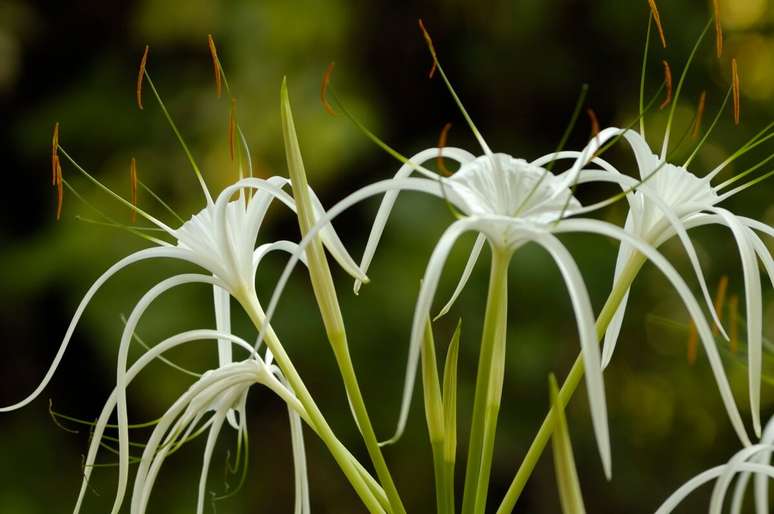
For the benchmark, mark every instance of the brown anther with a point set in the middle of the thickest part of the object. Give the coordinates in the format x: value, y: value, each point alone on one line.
x: 733, y: 307
x: 59, y: 190
x: 232, y: 129
x: 693, y: 343
x: 594, y: 122
x: 657, y: 19
x: 735, y: 86
x: 720, y: 301
x: 54, y: 154
x: 699, y: 115
x: 133, y: 181
x: 326, y: 80
x: 441, y: 144
x: 429, y: 41
x: 215, y: 65
x: 718, y: 30
x: 141, y: 76
x: 668, y: 83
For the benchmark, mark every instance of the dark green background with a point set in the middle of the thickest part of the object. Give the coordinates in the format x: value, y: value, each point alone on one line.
x: 518, y: 66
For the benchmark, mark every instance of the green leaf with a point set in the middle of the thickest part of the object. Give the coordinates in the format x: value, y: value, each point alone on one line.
x: 431, y: 387
x: 564, y: 463
x: 450, y: 396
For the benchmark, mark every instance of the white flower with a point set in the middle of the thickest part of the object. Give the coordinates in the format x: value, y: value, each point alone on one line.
x: 749, y: 461
x: 669, y: 200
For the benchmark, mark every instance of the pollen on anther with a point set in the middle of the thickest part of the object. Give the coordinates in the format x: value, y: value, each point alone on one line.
x: 657, y: 19
x: 668, y: 84
x: 326, y: 80
x: 59, y: 190
x: 441, y: 144
x: 141, y: 76
x: 735, y: 86
x: 133, y: 181
x: 699, y: 115
x: 232, y: 129
x: 718, y: 29
x: 720, y: 300
x: 215, y: 65
x: 54, y: 154
x: 733, y: 308
x: 429, y: 41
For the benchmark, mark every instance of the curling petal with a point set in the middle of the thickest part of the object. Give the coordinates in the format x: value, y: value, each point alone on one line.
x: 472, y: 260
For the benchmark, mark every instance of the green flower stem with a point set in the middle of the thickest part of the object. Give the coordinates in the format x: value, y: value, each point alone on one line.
x: 340, y: 454
x: 569, y: 386
x: 489, y: 386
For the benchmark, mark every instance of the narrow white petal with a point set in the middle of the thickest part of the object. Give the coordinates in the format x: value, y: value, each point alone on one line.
x: 472, y: 260
x: 610, y: 230
x: 731, y: 469
x: 614, y: 327
x: 587, y: 333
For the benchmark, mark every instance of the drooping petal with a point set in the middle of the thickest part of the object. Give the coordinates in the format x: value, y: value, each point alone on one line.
x: 587, y: 333
x: 731, y: 469
x: 422, y: 313
x: 614, y: 327
x: 610, y: 230
x: 472, y: 260
x: 149, y: 253
x: 388, y: 202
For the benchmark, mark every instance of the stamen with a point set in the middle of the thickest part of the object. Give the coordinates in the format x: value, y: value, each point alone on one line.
x: 668, y: 82
x: 232, y: 129
x: 59, y: 190
x: 657, y: 19
x: 735, y: 85
x: 720, y: 300
x: 324, y: 90
x: 133, y: 181
x: 733, y: 312
x: 54, y: 156
x: 141, y: 75
x: 693, y: 342
x: 429, y: 41
x: 699, y: 114
x: 718, y: 30
x: 441, y: 144
x: 215, y: 64
x: 594, y: 122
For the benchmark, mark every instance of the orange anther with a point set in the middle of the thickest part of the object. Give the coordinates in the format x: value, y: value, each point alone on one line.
x: 59, y: 190
x: 693, y: 343
x: 668, y: 83
x: 54, y: 155
x: 718, y: 30
x: 594, y: 122
x: 441, y: 144
x: 215, y: 64
x: 699, y: 115
x: 326, y: 80
x: 133, y: 181
x: 657, y: 19
x: 733, y: 307
x: 429, y: 41
x: 141, y: 76
x: 735, y: 86
x: 720, y: 300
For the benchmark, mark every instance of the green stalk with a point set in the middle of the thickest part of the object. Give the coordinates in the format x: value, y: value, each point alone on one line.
x: 489, y: 386
x: 340, y: 454
x: 569, y: 386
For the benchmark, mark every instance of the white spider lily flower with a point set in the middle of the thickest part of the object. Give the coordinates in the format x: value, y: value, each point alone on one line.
x: 667, y: 201
x: 748, y: 462
x: 203, y: 407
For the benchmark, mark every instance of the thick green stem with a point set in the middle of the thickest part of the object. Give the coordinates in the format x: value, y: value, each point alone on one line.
x: 569, y: 386
x: 340, y: 454
x: 489, y: 386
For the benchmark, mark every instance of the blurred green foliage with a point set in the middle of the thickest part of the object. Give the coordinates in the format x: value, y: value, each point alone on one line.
x: 518, y: 66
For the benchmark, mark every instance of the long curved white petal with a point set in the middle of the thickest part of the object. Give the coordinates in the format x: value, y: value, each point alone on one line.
x: 587, y: 333
x: 472, y: 260
x: 388, y: 202
x: 610, y: 230
x: 614, y: 327
x: 148, y: 253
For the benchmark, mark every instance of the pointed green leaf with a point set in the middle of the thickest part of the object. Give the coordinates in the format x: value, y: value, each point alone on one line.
x: 450, y: 396
x: 431, y: 387
x: 564, y: 463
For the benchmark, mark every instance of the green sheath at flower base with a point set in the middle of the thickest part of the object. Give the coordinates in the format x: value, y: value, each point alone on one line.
x: 325, y: 292
x: 564, y: 463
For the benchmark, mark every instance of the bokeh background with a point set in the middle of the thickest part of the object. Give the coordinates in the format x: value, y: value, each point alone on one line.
x: 518, y: 66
